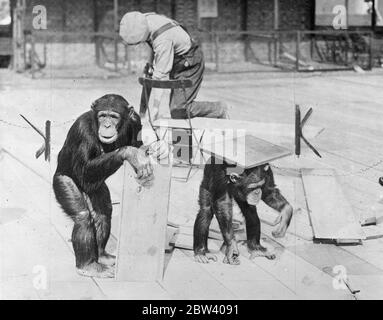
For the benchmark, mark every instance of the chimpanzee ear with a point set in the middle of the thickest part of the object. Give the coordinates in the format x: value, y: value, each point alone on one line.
x: 95, y: 104
x: 136, y: 128
x: 234, y: 173
x: 234, y: 177
x: 132, y: 113
x: 266, y: 167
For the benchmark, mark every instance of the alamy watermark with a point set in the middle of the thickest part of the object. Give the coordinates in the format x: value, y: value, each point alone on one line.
x: 39, y: 21
x: 340, y: 20
x: 40, y: 280
x: 340, y: 279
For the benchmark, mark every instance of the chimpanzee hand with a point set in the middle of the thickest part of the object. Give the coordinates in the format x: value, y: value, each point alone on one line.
x: 146, y: 182
x: 141, y: 164
x: 144, y: 169
x: 283, y: 221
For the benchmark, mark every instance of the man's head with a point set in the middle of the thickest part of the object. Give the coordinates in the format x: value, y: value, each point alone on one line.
x: 134, y: 28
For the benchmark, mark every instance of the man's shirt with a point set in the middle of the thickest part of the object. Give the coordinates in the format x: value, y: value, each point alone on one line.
x: 173, y: 41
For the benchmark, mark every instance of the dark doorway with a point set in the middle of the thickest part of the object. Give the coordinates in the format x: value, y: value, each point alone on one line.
x: 5, y: 33
x: 5, y: 61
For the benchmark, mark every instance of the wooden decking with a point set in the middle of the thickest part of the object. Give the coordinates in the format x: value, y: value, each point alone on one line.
x: 34, y: 233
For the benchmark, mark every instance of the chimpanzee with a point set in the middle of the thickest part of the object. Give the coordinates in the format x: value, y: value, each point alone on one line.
x: 221, y: 183
x: 96, y: 146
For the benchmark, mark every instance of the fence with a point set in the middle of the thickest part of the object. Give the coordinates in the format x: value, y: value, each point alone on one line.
x: 288, y: 50
x: 86, y: 54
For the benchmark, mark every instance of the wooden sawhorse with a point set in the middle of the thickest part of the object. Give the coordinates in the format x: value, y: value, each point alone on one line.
x: 147, y: 84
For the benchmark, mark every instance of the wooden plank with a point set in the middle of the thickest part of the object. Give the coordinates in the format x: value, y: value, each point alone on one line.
x: 129, y: 290
x: 171, y: 234
x: 265, y: 130
x: 259, y: 289
x: 183, y: 241
x: 46, y: 230
x: 222, y: 124
x: 184, y: 238
x: 246, y: 280
x: 302, y: 278
x: 371, y: 251
x: 289, y: 181
x: 292, y: 189
x: 332, y: 216
x: 360, y: 186
x: 373, y: 231
x: 214, y: 231
x: 246, y: 151
x: 298, y: 225
x: 183, y: 198
x: 186, y: 279
x: 10, y: 214
x: 360, y: 191
x: 326, y: 257
x: 370, y: 286
x: 65, y: 273
x: 141, y: 244
x: 30, y: 246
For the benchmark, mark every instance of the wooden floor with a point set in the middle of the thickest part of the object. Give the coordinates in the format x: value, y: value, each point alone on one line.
x: 34, y: 234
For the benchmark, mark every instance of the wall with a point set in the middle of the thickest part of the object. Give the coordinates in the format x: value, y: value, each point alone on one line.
x: 92, y: 15
x: 79, y: 15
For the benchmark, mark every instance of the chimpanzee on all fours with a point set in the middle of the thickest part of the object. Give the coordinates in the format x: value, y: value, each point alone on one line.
x: 220, y: 185
x: 96, y: 146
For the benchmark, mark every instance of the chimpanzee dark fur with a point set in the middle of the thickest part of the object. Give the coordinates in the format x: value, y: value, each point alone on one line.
x: 83, y: 165
x: 216, y: 194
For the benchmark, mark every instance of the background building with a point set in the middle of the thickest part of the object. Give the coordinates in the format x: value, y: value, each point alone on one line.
x: 97, y: 15
x: 82, y: 32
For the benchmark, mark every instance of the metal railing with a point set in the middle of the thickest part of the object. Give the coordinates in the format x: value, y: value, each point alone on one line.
x: 298, y: 50
x: 229, y: 51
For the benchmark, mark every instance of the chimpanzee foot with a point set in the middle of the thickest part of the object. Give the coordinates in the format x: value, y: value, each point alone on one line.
x: 107, y: 259
x: 97, y: 270
x: 259, y: 251
x: 231, y: 254
x: 283, y: 222
x: 204, y: 257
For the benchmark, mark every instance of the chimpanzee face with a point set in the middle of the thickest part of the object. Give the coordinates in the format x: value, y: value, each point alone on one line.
x: 108, y: 125
x: 249, y: 183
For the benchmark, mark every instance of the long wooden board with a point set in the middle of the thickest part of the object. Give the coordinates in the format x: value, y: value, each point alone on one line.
x: 142, y: 236
x: 261, y: 129
x: 246, y: 151
x: 332, y: 216
x: 186, y: 279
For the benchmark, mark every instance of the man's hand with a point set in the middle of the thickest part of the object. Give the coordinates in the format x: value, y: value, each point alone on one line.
x: 141, y: 164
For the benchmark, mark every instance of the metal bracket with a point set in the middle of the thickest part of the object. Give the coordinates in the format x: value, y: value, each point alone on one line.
x: 299, y: 124
x: 46, y: 147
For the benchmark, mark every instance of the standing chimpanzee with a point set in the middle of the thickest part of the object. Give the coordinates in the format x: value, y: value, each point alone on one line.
x: 96, y: 146
x: 221, y: 183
